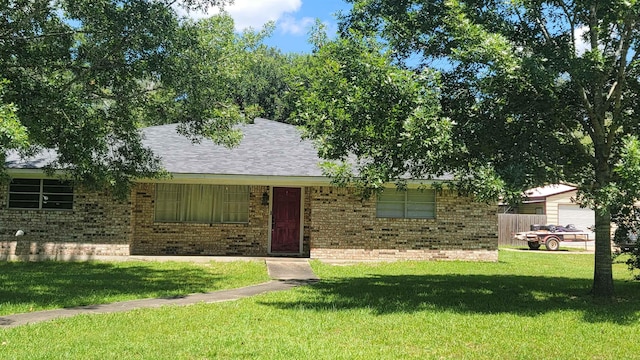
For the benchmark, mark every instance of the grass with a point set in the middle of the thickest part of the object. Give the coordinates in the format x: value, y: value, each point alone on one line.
x: 28, y: 286
x: 529, y: 305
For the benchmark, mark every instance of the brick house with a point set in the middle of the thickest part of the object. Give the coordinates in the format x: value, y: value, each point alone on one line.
x: 265, y: 197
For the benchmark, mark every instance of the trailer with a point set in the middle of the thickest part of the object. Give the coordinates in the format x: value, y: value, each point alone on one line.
x: 551, y: 239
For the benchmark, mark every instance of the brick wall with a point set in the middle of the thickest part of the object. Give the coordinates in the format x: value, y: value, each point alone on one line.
x: 156, y: 238
x: 337, y: 224
x: 306, y: 226
x: 345, y: 227
x: 97, y: 225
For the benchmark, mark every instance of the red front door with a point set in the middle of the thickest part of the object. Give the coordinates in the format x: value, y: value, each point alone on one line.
x: 285, y: 220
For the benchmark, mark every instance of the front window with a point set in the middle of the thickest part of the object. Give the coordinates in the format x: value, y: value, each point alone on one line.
x: 408, y: 204
x: 200, y: 203
x: 40, y: 194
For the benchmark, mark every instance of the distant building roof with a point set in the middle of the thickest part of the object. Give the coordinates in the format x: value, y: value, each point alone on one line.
x: 548, y: 190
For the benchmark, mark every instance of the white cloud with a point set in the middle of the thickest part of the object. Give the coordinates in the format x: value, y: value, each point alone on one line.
x: 290, y: 25
x: 581, y: 43
x: 193, y: 14
x: 252, y: 13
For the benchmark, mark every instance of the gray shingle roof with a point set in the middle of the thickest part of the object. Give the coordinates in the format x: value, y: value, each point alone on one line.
x: 38, y: 161
x: 267, y: 148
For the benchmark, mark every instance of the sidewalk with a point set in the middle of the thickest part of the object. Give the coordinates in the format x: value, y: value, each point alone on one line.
x: 285, y: 274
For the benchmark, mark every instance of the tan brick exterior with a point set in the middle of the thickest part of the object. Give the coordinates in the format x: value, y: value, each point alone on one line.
x: 251, y: 239
x: 345, y: 227
x: 153, y: 238
x: 97, y: 225
x: 337, y: 224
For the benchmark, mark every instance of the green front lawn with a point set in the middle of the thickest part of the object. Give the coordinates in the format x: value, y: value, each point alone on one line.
x: 32, y: 286
x: 529, y: 305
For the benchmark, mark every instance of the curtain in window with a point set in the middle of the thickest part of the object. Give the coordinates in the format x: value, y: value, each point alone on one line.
x: 202, y: 203
x: 237, y: 204
x: 199, y: 203
x: 166, y: 202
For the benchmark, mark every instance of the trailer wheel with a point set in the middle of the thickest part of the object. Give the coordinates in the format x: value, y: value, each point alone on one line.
x: 534, y: 245
x: 552, y: 243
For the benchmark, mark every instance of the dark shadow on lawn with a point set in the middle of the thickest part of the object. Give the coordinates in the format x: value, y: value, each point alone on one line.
x: 483, y: 294
x: 69, y: 284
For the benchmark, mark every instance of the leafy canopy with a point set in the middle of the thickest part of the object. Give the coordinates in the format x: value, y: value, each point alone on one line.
x: 558, y: 80
x: 377, y: 121
x: 81, y: 76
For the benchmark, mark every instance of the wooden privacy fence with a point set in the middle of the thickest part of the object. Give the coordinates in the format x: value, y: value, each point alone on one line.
x: 509, y: 224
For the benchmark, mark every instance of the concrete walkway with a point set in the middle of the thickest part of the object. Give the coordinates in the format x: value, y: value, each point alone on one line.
x: 285, y: 274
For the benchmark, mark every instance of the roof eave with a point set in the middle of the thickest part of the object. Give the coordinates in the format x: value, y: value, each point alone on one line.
x: 224, y: 179
x: 267, y: 180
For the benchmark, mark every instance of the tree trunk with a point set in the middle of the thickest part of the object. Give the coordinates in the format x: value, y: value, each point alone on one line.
x: 602, y: 270
x: 602, y: 274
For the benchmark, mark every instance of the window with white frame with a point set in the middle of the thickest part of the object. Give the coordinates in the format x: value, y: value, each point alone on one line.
x: 407, y: 204
x: 199, y: 203
x: 45, y: 194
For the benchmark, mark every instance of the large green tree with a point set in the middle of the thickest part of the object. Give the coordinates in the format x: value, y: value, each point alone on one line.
x: 375, y: 121
x: 236, y: 68
x: 264, y: 80
x: 81, y: 76
x: 536, y: 92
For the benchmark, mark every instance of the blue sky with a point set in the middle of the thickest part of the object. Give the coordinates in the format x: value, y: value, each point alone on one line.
x: 293, y: 19
x: 292, y: 29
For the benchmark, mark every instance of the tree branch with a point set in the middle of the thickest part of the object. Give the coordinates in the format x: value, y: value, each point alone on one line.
x: 596, y: 116
x: 11, y: 36
x: 614, y: 98
x: 578, y: 143
x: 544, y: 30
x: 572, y: 25
x: 623, y: 50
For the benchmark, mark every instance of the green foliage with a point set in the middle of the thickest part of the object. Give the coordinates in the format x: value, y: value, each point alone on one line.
x: 318, y: 36
x: 12, y: 134
x: 262, y: 79
x: 484, y: 184
x: 82, y: 76
x: 364, y: 112
x: 263, y: 82
x: 195, y: 89
x: 623, y: 197
x: 538, y: 92
x: 628, y: 171
x: 236, y: 73
x: 519, y: 70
